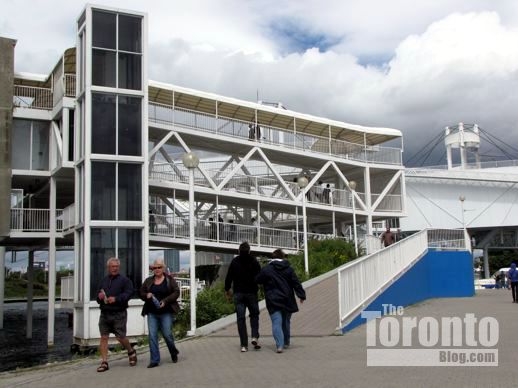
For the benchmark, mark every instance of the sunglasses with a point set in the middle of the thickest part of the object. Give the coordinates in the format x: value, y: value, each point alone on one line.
x: 159, y: 267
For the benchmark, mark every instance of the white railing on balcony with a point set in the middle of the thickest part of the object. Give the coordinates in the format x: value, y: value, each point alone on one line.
x: 68, y: 217
x: 34, y: 220
x: 391, y: 202
x: 32, y: 97
x: 166, y: 114
x: 360, y: 280
x: 69, y: 85
x: 372, y: 244
x: 67, y: 288
x: 185, y: 287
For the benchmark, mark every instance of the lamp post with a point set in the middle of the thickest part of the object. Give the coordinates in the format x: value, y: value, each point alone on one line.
x: 302, y: 181
x: 467, y: 241
x: 352, y: 186
x: 191, y: 161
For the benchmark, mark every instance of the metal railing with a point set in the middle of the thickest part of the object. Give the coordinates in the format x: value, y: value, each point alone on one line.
x: 32, y: 97
x: 360, y: 280
x: 223, y: 232
x: 67, y: 288
x: 166, y: 114
x: 68, y: 217
x: 391, y: 202
x: 69, y: 86
x: 185, y: 287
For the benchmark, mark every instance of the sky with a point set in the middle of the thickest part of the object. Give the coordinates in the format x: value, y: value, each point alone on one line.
x: 416, y: 66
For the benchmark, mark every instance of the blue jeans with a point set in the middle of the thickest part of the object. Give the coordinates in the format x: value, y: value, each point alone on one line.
x: 242, y: 302
x: 164, y: 323
x: 281, y: 328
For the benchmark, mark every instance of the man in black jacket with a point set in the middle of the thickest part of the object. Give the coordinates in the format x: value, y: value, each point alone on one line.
x: 113, y: 296
x: 241, y: 276
x: 280, y: 282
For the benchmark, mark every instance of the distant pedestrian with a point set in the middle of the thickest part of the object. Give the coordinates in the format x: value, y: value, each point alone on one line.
x: 327, y: 194
x: 113, y: 296
x: 258, y: 132
x: 241, y: 277
x: 280, y: 284
x: 160, y: 293
x: 212, y: 229
x: 387, y: 237
x: 512, y: 275
x: 251, y: 131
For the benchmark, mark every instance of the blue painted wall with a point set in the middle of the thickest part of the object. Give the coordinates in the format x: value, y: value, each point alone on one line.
x: 439, y: 274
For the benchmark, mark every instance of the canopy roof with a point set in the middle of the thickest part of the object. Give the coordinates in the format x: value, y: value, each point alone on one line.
x: 162, y: 93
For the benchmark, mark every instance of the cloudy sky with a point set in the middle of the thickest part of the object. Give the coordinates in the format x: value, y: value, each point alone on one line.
x: 393, y: 63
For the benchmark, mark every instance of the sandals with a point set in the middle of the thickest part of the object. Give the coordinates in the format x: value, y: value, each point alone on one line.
x: 103, y: 367
x: 132, y: 357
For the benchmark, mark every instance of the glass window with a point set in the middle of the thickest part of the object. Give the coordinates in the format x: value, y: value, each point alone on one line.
x: 102, y: 248
x: 130, y: 192
x: 103, y: 68
x: 103, y: 191
x: 21, y: 145
x: 103, y: 123
x: 103, y: 29
x: 40, y: 145
x: 130, y: 118
x: 130, y: 74
x: 130, y: 36
x: 130, y: 255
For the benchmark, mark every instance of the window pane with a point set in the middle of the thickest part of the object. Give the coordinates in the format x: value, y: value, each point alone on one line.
x: 21, y: 144
x: 130, y: 126
x: 130, y: 36
x: 102, y: 248
x: 103, y: 191
x: 130, y: 74
x: 130, y: 192
x: 103, y: 29
x: 40, y: 145
x: 103, y: 124
x: 103, y: 68
x: 130, y: 255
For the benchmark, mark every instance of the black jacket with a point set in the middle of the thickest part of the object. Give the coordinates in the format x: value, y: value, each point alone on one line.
x: 280, y: 281
x: 118, y: 286
x: 241, y: 273
x: 171, y: 299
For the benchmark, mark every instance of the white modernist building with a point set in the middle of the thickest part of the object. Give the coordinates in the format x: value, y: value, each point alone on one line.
x: 96, y: 161
x: 481, y: 197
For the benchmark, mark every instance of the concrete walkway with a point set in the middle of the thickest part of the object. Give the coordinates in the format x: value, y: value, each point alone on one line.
x: 327, y: 361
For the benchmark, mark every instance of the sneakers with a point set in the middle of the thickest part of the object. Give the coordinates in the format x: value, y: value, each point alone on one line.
x: 255, y: 342
x: 244, y: 349
x: 279, y: 350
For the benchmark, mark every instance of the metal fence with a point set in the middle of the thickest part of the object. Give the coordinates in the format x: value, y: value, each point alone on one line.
x: 166, y: 114
x: 32, y: 97
x: 360, y: 280
x: 67, y: 288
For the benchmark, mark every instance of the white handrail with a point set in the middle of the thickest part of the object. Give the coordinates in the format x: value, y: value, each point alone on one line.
x: 32, y: 97
x: 34, y: 220
x: 360, y: 280
x: 162, y: 113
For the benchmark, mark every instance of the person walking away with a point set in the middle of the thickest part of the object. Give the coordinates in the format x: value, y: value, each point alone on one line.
x: 280, y: 286
x: 160, y: 293
x: 113, y: 296
x: 387, y: 237
x: 241, y: 277
x: 512, y: 275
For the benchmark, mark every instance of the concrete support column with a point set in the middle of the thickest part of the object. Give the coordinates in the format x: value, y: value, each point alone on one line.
x: 30, y: 293
x: 486, y: 263
x: 2, y: 285
x: 52, y: 263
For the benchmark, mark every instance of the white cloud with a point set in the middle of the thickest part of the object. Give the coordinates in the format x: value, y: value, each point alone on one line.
x: 432, y: 64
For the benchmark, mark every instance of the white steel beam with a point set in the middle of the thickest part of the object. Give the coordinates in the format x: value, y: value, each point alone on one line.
x: 387, y: 188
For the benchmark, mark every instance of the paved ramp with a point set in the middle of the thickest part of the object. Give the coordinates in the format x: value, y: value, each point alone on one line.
x: 317, y: 316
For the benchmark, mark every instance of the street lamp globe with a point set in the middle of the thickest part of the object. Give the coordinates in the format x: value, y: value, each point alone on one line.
x: 462, y: 198
x: 190, y: 160
x: 352, y: 185
x: 302, y: 181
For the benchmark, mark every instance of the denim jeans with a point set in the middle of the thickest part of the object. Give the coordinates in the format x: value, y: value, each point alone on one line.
x: 281, y: 328
x: 242, y: 302
x: 164, y: 323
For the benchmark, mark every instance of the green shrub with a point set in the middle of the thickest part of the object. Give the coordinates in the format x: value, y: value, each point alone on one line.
x: 323, y: 256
